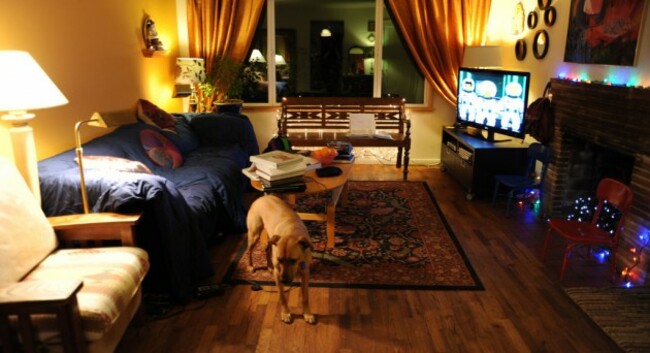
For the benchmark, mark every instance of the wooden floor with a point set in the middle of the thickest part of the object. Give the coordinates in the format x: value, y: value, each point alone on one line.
x: 522, y: 309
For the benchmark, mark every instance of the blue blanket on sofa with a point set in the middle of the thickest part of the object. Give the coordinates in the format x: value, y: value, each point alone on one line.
x: 183, y: 209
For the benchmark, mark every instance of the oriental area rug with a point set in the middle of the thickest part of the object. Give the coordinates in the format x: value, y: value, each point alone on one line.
x: 390, y: 234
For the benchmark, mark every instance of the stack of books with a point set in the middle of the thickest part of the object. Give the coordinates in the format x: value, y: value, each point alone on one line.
x: 280, y: 171
x: 344, y: 150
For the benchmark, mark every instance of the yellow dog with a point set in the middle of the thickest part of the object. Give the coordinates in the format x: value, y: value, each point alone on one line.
x: 290, y: 248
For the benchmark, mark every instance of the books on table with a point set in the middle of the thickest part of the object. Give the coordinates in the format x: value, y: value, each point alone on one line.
x: 280, y: 171
x: 276, y: 159
x: 344, y: 158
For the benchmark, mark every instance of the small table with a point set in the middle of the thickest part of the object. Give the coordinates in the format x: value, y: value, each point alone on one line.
x: 338, y: 186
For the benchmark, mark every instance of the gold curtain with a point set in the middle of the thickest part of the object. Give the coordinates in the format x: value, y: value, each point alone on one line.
x: 437, y: 32
x: 219, y: 28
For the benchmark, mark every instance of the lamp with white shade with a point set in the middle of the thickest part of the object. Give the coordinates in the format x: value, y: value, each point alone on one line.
x: 487, y: 56
x: 190, y: 72
x: 25, y: 86
x: 256, y: 56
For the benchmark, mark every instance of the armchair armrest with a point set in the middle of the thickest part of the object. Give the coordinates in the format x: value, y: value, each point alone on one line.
x: 95, y: 227
x: 41, y: 297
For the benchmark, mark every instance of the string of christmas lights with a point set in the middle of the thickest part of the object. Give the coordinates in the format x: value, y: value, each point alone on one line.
x: 644, y: 240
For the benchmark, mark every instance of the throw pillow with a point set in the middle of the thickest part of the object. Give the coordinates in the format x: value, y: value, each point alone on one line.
x: 161, y: 151
x: 151, y: 114
x: 115, y: 164
x: 184, y: 137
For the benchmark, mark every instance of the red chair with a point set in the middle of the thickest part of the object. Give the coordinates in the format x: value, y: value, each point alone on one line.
x: 587, y: 233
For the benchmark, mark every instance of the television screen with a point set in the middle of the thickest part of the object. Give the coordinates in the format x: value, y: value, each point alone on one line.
x: 493, y: 100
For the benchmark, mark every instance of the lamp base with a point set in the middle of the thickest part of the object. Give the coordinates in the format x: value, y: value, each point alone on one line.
x: 24, y: 148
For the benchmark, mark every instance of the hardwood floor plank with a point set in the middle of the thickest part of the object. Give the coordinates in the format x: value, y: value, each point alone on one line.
x: 522, y: 309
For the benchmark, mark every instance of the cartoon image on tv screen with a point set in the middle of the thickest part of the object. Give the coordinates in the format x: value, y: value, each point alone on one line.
x: 467, y: 100
x: 512, y: 107
x: 488, y: 105
x: 491, y: 100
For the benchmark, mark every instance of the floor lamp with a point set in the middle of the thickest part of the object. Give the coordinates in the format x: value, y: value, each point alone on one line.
x: 105, y: 120
x: 25, y: 86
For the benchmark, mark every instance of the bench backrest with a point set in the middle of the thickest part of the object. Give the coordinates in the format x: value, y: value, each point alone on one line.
x: 332, y: 113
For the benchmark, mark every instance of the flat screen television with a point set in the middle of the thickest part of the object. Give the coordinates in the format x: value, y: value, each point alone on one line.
x: 493, y: 100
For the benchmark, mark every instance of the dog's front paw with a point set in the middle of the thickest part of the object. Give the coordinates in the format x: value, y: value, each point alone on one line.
x: 251, y: 269
x: 309, y: 318
x: 286, y: 318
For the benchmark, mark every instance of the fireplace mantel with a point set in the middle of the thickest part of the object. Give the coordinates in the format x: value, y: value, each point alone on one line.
x: 613, y: 117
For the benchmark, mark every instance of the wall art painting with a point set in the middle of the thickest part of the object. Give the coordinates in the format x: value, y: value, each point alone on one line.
x: 604, y: 31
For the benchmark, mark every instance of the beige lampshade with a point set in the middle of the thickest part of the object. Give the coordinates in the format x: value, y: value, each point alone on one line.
x: 488, y: 56
x: 190, y: 70
x: 24, y: 85
x: 256, y: 56
x: 279, y: 60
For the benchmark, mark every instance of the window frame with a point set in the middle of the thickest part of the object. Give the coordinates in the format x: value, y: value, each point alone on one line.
x: 272, y: 102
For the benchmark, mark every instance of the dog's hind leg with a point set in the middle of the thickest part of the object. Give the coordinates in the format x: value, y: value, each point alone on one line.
x: 253, y: 237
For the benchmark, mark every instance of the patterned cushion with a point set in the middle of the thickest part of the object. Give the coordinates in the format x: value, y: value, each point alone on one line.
x: 161, y: 151
x: 111, y: 277
x: 151, y: 114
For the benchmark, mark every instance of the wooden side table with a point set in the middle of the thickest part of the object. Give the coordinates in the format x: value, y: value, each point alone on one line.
x: 338, y: 186
x: 95, y: 227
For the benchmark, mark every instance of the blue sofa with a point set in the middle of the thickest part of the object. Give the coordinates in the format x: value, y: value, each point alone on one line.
x: 184, y: 209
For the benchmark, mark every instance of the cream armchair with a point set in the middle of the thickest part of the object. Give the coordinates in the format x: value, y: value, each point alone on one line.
x: 74, y: 300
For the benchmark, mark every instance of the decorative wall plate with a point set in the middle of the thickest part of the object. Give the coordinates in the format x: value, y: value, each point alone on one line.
x: 532, y: 20
x: 520, y: 49
x: 518, y: 19
x: 540, y: 44
x: 549, y: 16
x: 543, y: 4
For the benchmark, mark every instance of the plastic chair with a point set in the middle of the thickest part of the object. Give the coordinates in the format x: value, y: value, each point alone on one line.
x: 589, y: 234
x: 536, y: 152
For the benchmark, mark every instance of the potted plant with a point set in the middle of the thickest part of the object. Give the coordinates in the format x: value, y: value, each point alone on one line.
x: 222, y: 89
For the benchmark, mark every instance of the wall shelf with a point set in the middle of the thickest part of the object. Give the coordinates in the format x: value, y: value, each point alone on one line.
x: 154, y: 53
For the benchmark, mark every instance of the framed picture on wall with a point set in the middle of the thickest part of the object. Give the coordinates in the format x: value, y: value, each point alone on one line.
x: 604, y: 32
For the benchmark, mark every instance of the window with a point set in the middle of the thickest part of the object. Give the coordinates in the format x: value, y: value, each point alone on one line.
x: 331, y: 48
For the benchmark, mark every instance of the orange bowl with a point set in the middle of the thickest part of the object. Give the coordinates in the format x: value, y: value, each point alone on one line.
x: 324, y: 155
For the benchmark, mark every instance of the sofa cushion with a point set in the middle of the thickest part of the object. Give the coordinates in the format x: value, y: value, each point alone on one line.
x: 26, y: 236
x: 110, y: 276
x: 161, y: 151
x: 184, y: 137
x: 151, y: 114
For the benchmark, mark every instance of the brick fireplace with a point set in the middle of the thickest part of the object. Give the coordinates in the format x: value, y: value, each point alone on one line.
x: 615, y: 121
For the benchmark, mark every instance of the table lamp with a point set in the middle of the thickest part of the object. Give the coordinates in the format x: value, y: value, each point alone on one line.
x: 105, y: 120
x: 488, y: 56
x: 25, y: 86
x: 189, y: 73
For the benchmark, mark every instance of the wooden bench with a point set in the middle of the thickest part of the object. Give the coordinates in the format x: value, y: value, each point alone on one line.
x: 314, y: 121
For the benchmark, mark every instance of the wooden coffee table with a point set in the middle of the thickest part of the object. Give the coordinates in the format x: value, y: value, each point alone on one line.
x: 338, y: 188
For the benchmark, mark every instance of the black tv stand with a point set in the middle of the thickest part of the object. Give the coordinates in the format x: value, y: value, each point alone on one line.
x: 489, y: 137
x: 473, y: 161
